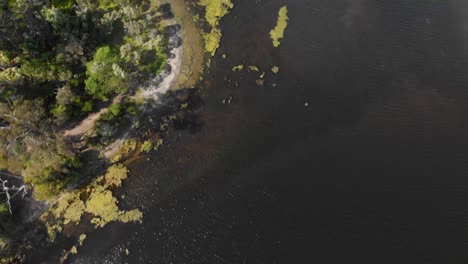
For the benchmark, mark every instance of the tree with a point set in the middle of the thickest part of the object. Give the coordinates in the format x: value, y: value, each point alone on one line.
x: 105, y: 74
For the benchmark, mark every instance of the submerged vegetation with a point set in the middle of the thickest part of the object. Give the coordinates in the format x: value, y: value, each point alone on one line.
x: 278, y: 32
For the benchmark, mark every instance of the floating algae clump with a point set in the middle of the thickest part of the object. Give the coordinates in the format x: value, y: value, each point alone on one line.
x: 115, y: 175
x: 103, y: 205
x: 147, y: 146
x: 81, y: 239
x: 97, y: 199
x: 278, y: 32
x: 253, y: 68
x: 238, y: 68
x: 275, y: 69
x: 215, y: 10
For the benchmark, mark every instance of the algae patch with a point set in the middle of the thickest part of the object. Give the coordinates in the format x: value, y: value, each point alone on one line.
x: 253, y: 68
x: 97, y: 200
x: 238, y: 68
x: 215, y: 11
x: 275, y: 69
x: 278, y: 32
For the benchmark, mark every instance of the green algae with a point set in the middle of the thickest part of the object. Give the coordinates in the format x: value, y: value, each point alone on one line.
x: 278, y: 32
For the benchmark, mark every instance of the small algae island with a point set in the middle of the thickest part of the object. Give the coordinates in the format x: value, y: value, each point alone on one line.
x: 278, y: 32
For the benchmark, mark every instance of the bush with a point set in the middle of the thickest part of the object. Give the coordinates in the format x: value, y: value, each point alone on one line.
x: 87, y: 106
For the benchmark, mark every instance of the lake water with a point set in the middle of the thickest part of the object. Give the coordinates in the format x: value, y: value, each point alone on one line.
x: 374, y: 170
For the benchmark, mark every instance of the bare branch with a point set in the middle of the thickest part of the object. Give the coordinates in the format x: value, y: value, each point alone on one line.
x: 11, y: 192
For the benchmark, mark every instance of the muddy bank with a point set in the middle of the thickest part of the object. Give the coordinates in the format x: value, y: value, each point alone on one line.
x: 191, y: 65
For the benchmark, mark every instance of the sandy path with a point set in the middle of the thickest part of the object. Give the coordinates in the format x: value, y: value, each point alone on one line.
x: 88, y: 123
x: 152, y: 92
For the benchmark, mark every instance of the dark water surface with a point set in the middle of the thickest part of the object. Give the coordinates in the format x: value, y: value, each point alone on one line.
x: 375, y: 170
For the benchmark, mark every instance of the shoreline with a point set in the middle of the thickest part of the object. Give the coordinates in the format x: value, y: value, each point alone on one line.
x: 186, y: 66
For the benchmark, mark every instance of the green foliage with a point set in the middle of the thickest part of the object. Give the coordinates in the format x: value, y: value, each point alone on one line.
x: 117, y: 116
x: 152, y: 62
x: 60, y: 112
x: 87, y: 107
x: 62, y: 4
x: 115, y: 109
x: 37, y: 69
x: 31, y: 148
x: 4, y: 209
x: 104, y: 4
x: 105, y: 75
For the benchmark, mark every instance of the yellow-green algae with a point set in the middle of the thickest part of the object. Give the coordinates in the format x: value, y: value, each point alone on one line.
x: 81, y: 239
x: 238, y: 68
x: 147, y: 146
x: 253, y: 68
x: 97, y: 199
x: 278, y: 32
x: 215, y: 11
